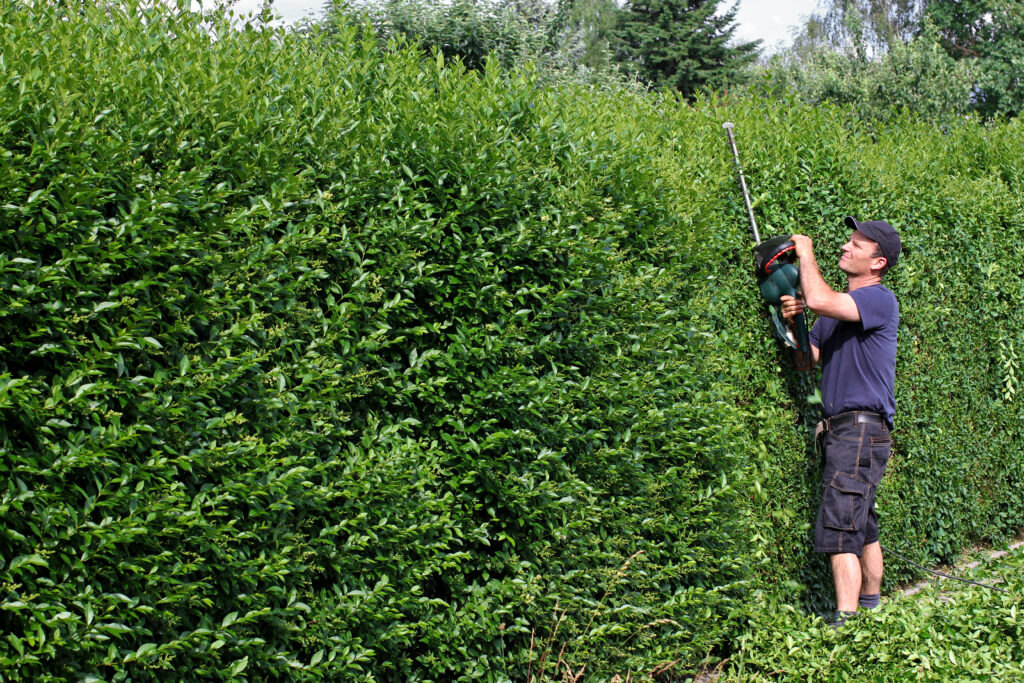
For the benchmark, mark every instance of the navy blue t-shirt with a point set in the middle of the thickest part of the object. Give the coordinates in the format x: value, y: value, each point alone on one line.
x: 858, y: 359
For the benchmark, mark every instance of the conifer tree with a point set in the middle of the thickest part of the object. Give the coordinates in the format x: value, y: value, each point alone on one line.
x: 681, y: 44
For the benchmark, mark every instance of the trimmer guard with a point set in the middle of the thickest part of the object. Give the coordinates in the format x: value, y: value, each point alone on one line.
x: 772, y: 254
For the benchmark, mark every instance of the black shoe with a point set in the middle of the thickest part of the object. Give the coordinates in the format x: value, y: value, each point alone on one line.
x: 841, y: 618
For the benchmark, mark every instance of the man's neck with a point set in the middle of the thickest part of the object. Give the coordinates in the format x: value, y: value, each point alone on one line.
x: 858, y: 281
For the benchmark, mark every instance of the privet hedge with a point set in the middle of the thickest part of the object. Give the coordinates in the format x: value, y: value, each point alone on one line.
x: 321, y: 361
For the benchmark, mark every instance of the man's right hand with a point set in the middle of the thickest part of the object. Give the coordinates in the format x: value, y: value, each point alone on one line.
x: 791, y: 307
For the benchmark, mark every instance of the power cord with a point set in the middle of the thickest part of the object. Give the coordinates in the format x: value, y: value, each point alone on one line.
x: 943, y: 575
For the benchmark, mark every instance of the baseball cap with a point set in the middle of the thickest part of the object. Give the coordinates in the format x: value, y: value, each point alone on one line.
x: 881, y: 232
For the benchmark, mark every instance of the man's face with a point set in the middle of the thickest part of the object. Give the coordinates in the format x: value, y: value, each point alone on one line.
x: 859, y: 255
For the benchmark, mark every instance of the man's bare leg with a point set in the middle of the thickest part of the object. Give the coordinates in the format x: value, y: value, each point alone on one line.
x: 871, y: 568
x: 846, y: 573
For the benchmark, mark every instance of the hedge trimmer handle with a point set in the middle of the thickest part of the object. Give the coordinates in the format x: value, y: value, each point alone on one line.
x: 778, y: 276
x: 803, y: 341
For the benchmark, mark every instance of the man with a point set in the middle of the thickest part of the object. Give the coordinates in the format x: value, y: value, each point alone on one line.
x: 855, y: 341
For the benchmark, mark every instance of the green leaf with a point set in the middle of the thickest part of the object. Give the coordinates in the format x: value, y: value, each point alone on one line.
x: 144, y: 649
x: 238, y: 666
x: 22, y: 560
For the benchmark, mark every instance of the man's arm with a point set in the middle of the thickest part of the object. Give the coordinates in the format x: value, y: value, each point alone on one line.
x: 819, y: 297
x: 806, y: 361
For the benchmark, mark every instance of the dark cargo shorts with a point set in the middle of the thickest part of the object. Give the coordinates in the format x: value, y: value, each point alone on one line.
x: 855, y: 459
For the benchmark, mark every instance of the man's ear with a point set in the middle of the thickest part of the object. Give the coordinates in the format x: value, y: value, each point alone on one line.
x: 884, y: 261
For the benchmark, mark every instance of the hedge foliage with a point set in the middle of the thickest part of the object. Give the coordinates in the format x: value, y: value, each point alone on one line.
x: 321, y: 361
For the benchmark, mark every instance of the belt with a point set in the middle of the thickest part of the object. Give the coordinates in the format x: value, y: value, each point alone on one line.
x: 853, y: 417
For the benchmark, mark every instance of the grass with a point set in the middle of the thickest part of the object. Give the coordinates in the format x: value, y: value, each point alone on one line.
x: 942, y: 631
x: 936, y: 630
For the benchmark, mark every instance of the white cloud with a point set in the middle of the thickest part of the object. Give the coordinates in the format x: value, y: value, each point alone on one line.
x: 771, y: 21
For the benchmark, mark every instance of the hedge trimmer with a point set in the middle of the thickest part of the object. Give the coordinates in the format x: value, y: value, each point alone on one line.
x: 777, y: 274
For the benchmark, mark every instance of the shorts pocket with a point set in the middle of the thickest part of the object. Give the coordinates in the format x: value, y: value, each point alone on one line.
x: 844, y: 505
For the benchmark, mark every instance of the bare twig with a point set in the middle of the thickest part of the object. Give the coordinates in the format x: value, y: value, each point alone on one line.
x: 529, y: 664
x: 552, y: 632
x: 608, y: 591
x: 571, y: 677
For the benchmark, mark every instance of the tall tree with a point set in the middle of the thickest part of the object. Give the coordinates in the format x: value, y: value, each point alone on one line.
x: 681, y: 44
x: 989, y: 33
x: 865, y: 28
x: 582, y: 29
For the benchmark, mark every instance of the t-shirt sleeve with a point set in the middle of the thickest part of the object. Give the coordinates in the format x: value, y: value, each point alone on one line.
x: 876, y: 306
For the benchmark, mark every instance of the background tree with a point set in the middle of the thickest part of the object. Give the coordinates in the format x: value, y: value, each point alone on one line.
x: 985, y: 36
x: 567, y: 39
x: 581, y: 32
x: 989, y: 33
x: 864, y: 28
x: 681, y: 44
x: 919, y: 77
x: 514, y: 31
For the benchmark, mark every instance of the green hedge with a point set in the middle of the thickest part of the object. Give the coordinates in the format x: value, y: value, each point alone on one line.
x: 319, y: 361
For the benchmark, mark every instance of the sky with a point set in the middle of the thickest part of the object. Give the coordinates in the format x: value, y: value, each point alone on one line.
x: 770, y: 20
x: 289, y: 10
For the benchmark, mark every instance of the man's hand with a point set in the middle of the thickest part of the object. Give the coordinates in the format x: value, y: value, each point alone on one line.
x: 791, y: 307
x: 810, y: 282
x: 803, y: 245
